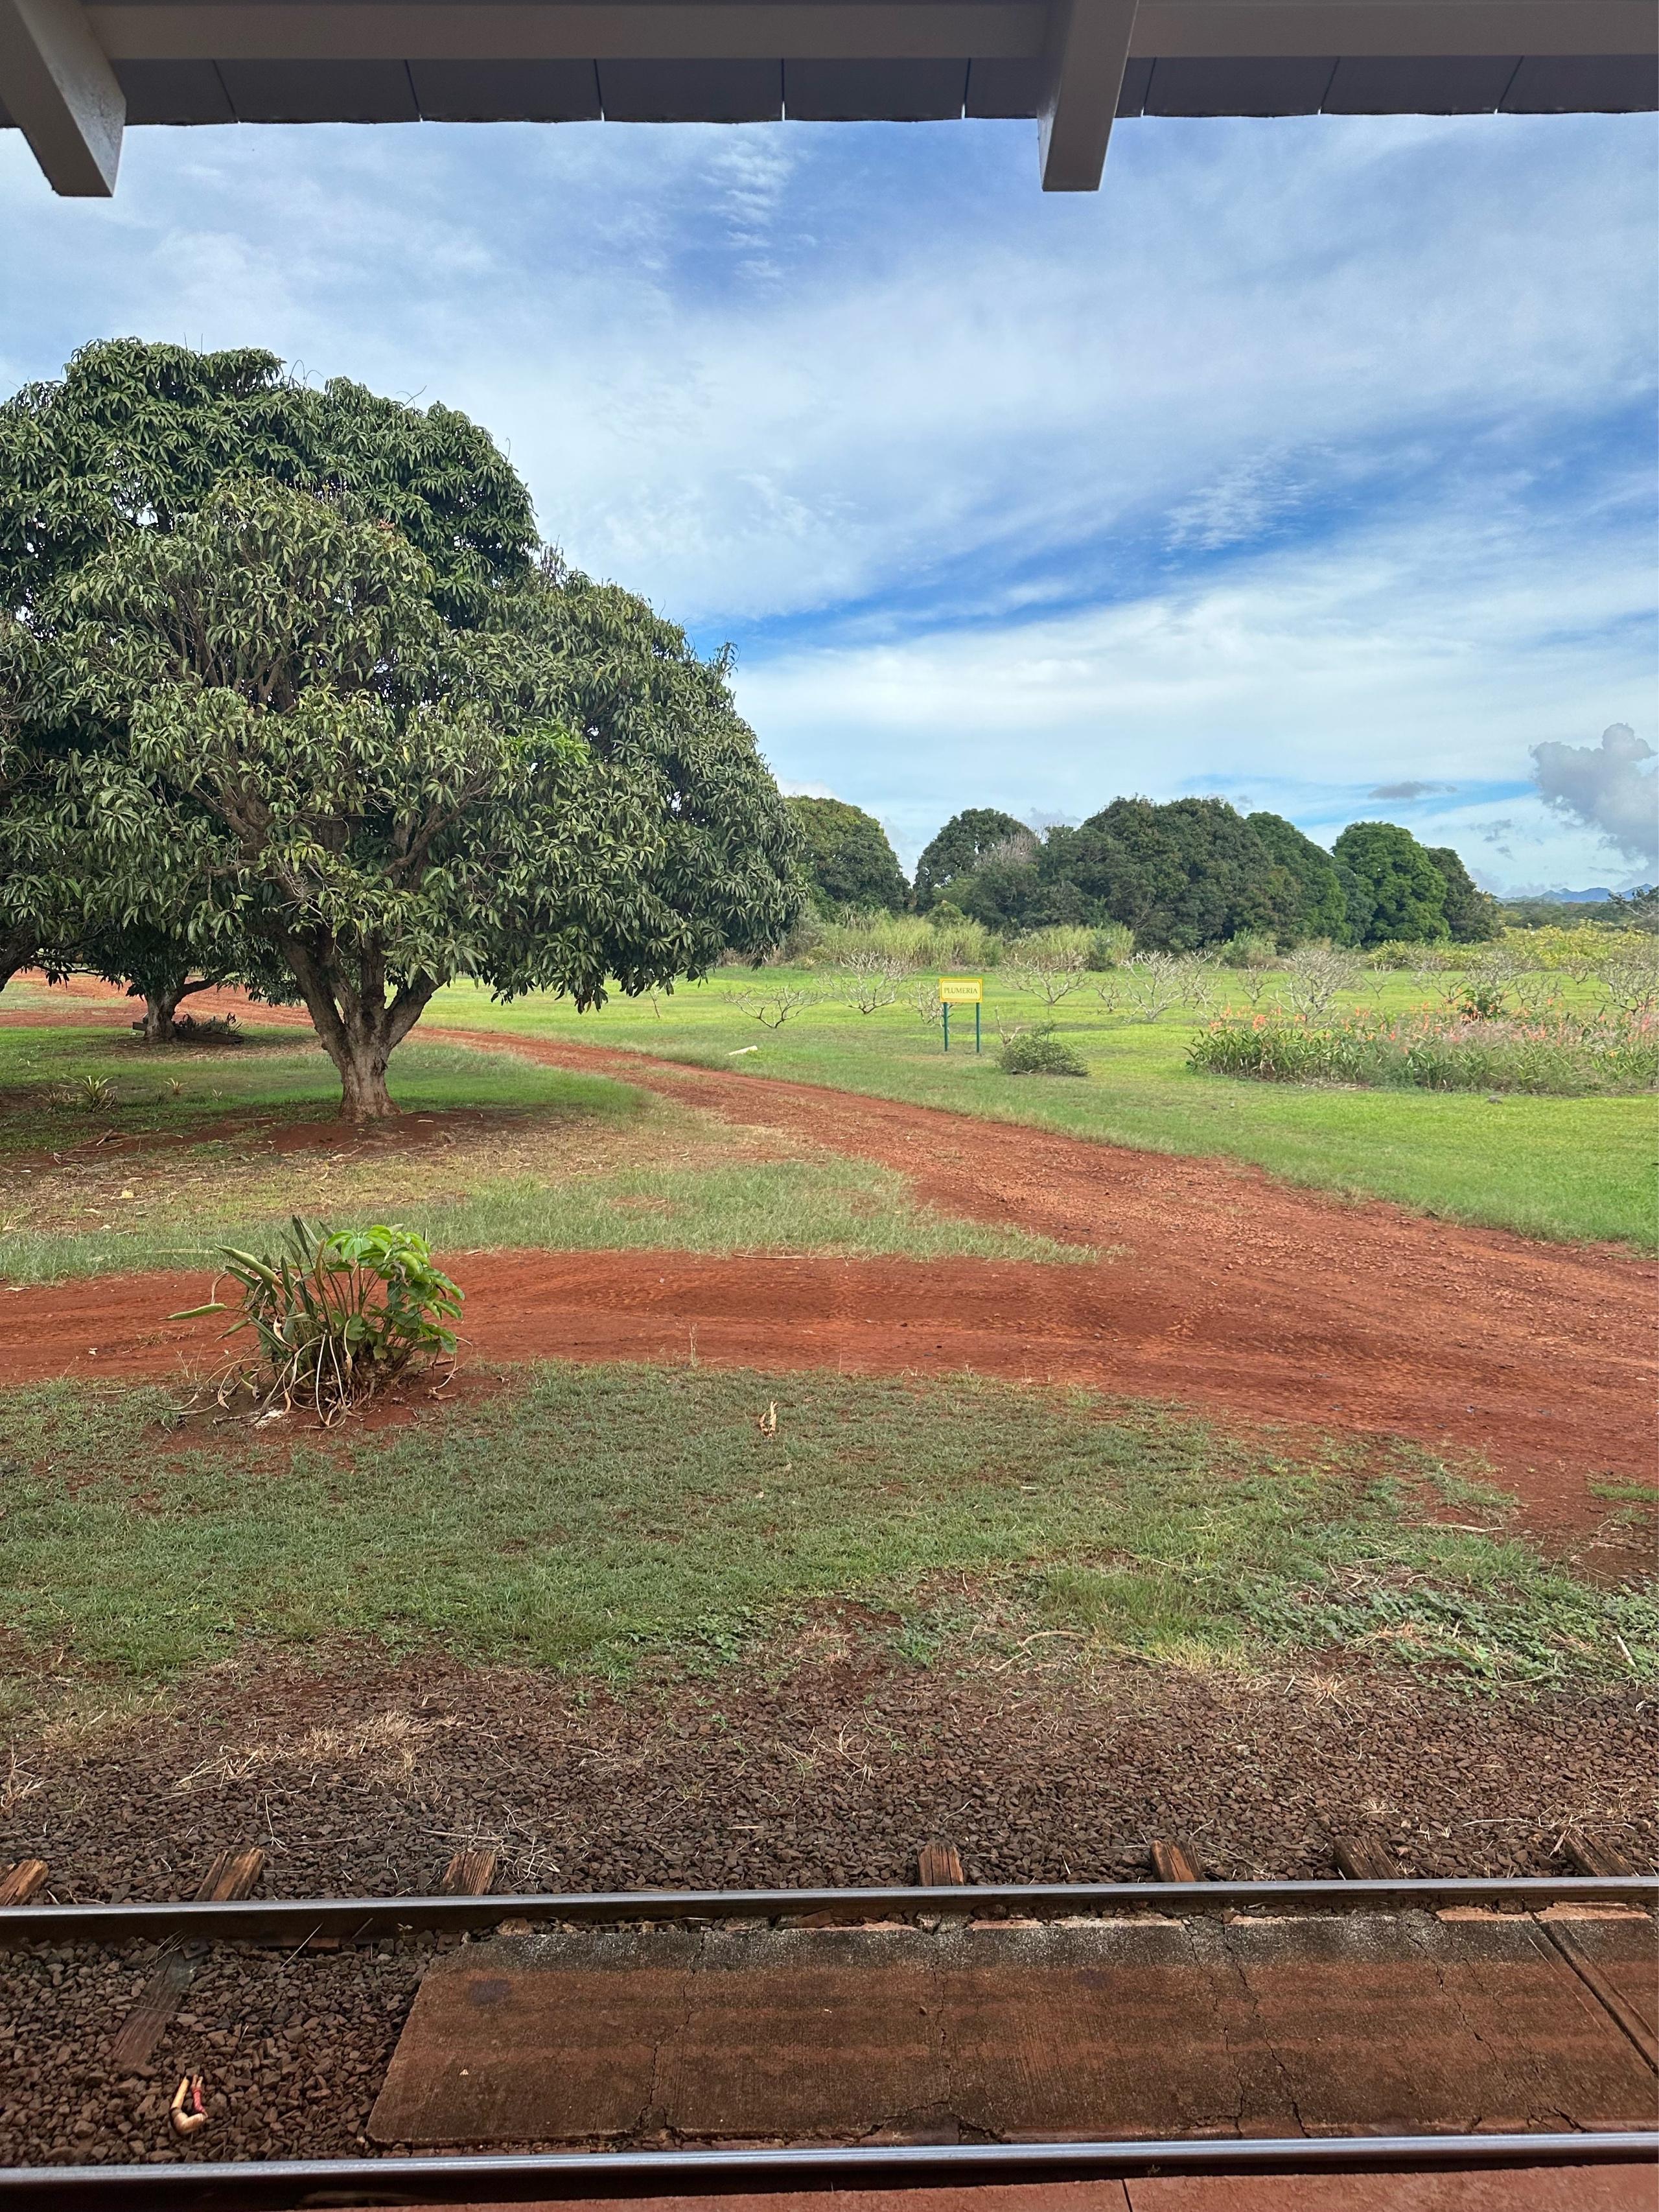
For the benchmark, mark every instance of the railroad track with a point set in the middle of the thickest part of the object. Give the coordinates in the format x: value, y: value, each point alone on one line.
x: 545, y: 2047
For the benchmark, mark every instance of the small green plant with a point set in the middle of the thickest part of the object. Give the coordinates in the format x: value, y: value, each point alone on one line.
x: 1039, y: 1052
x: 89, y: 1094
x: 1482, y: 1001
x: 337, y: 1314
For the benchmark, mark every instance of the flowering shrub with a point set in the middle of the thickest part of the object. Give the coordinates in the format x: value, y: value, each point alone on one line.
x: 1432, y: 1049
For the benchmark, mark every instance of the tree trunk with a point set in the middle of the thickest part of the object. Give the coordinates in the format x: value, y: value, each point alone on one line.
x: 160, y: 1007
x: 345, y: 996
x: 19, y: 948
x: 363, y: 1094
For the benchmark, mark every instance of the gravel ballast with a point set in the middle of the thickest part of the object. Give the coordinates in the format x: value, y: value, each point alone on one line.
x: 361, y: 1775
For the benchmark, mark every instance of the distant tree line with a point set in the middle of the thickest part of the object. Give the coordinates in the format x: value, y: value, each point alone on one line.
x: 1637, y: 908
x: 1182, y: 875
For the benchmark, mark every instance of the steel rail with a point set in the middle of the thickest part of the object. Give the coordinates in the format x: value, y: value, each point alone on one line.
x: 294, y: 1919
x: 287, y: 2185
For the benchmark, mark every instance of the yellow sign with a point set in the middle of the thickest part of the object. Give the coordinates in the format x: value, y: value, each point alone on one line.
x: 961, y: 990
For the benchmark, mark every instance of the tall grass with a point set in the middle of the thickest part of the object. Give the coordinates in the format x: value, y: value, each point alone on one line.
x: 1561, y: 1056
x: 908, y: 940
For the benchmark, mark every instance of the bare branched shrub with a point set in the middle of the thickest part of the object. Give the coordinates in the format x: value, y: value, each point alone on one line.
x: 1632, y: 980
x: 1439, y: 987
x: 1317, y: 972
x: 1050, y: 963
x: 1155, y: 981
x: 1198, y: 983
x: 774, y: 1005
x: 926, y: 1003
x: 1251, y: 980
x: 873, y: 979
x: 1504, y: 977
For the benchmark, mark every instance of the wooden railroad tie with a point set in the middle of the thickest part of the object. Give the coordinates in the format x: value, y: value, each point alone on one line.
x: 939, y: 1865
x: 471, y: 1873
x: 19, y: 1882
x: 1359, y: 1861
x: 233, y: 1874
x: 1591, y: 1857
x: 1174, y: 1862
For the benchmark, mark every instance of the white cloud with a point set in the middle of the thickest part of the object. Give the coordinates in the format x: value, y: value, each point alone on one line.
x: 1604, y: 787
x: 1415, y: 652
x: 1300, y: 460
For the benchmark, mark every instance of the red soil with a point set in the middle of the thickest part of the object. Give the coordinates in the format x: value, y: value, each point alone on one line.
x: 1217, y: 1286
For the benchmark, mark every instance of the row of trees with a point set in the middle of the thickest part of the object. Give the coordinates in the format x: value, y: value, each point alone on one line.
x: 290, y: 697
x: 1190, y: 873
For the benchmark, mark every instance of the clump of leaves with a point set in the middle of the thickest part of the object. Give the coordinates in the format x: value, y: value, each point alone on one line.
x: 337, y: 1315
x: 89, y: 1094
x: 206, y: 1028
x: 1483, y: 1001
x: 1039, y: 1052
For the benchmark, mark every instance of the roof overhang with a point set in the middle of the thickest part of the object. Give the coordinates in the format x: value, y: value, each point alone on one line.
x: 73, y: 73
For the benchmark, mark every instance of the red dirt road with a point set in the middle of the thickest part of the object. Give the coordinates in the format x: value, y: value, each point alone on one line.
x: 1217, y: 1285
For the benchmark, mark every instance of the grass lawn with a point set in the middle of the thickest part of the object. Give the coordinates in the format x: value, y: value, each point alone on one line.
x: 564, y: 1161
x: 1560, y: 1168
x: 596, y: 1518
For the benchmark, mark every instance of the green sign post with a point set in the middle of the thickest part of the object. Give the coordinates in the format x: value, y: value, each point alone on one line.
x: 962, y: 990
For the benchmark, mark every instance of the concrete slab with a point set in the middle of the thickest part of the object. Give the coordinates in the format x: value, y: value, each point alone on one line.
x: 1147, y: 2027
x: 1535, y: 2189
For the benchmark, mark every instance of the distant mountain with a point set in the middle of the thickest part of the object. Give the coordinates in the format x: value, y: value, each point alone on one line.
x: 1582, y: 898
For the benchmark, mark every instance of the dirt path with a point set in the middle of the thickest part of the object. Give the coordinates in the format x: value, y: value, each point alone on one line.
x: 1217, y: 1285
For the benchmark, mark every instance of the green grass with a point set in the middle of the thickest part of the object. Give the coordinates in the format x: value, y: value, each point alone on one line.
x: 815, y: 1203
x: 178, y: 1086
x: 595, y: 1518
x: 1560, y: 1168
x: 847, y: 1209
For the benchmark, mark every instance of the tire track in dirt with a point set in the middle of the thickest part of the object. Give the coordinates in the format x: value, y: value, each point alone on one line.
x: 1217, y: 1285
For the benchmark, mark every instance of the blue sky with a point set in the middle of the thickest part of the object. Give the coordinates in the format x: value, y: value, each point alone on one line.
x: 1309, y: 459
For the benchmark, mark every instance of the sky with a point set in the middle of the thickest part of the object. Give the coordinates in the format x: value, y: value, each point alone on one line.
x: 1311, y: 463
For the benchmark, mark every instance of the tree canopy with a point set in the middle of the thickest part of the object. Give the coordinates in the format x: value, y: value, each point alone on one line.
x: 1181, y: 875
x: 1399, y: 894
x: 962, y: 847
x: 1321, y: 910
x: 848, y: 857
x: 255, y: 712
x: 135, y: 435
x: 1194, y: 872
x: 1472, y: 916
